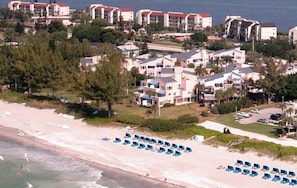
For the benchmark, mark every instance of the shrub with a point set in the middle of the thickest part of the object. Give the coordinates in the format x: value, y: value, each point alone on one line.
x: 130, y: 119
x: 187, y: 119
x: 163, y: 125
x: 214, y: 110
x: 204, y: 113
x: 225, y: 108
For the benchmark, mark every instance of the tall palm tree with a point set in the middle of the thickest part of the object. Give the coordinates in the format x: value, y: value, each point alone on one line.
x: 198, y: 90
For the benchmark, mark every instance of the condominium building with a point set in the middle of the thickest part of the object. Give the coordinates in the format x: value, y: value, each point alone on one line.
x: 178, y: 20
x: 43, y: 11
x: 244, y: 29
x: 293, y: 35
x: 111, y: 14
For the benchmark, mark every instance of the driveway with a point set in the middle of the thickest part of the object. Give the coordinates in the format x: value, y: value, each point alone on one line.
x: 265, y: 114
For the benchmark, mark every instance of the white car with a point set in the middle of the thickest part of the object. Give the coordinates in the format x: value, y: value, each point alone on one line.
x: 256, y: 111
x: 243, y: 114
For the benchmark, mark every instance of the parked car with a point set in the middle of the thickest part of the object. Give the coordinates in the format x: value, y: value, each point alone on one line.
x: 243, y: 114
x: 276, y: 117
x: 63, y: 99
x: 256, y: 111
x: 262, y: 120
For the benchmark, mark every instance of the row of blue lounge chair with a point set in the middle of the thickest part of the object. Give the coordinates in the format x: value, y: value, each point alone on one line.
x: 283, y: 180
x: 251, y: 173
x: 266, y: 168
x: 159, y: 142
x: 148, y: 147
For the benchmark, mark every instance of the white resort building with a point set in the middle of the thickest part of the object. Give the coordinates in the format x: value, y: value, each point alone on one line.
x: 112, y: 15
x: 178, y: 20
x: 43, y: 12
x: 244, y: 29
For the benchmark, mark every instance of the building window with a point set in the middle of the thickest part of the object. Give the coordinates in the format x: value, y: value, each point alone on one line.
x: 169, y: 88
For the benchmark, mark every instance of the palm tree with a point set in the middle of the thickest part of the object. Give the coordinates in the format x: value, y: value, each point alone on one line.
x: 200, y: 70
x: 198, y: 88
x: 219, y: 95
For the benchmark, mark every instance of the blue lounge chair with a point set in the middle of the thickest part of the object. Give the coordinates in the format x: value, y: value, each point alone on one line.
x: 292, y: 174
x: 117, y: 140
x: 254, y: 173
x: 149, y: 147
x: 276, y: 178
x: 134, y: 144
x: 147, y: 139
x: 174, y: 146
x: 181, y: 147
x: 160, y: 142
x: 128, y: 135
x: 161, y: 150
x: 266, y: 176
x: 230, y: 168
x: 177, y: 153
x: 256, y: 166
x: 237, y: 170
x: 265, y: 168
x: 275, y: 170
x: 141, y: 146
x: 246, y: 172
x: 153, y: 141
x: 105, y: 139
x: 285, y: 180
x: 188, y: 149
x: 143, y: 138
x: 137, y: 137
x: 248, y: 164
x: 284, y: 172
x: 126, y: 142
x: 293, y: 182
x: 169, y: 151
x: 167, y: 144
x: 239, y: 162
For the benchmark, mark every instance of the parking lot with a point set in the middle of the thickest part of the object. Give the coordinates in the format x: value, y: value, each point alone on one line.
x: 264, y: 114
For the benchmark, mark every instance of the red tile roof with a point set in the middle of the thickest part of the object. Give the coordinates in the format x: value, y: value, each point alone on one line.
x: 205, y: 15
x: 25, y: 3
x: 63, y: 4
x: 126, y: 9
x: 182, y: 15
x: 40, y: 5
x: 145, y: 13
x: 109, y: 9
x: 157, y: 14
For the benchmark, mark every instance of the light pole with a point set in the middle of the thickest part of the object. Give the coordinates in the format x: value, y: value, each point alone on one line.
x: 235, y: 112
x: 283, y: 99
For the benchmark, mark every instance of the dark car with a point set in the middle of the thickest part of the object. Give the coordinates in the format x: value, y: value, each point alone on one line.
x: 276, y: 117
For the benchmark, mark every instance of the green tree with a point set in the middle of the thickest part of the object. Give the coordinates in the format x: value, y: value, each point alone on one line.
x: 198, y: 38
x: 19, y: 28
x: 219, y: 95
x: 109, y: 82
x: 55, y: 26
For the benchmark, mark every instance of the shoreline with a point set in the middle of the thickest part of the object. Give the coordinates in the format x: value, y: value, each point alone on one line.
x: 8, y: 134
x: 205, y: 166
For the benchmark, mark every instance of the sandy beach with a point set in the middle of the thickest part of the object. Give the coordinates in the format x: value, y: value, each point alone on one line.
x: 203, y: 167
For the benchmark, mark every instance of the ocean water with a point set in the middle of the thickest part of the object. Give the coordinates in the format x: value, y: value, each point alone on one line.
x: 26, y: 167
x: 280, y: 12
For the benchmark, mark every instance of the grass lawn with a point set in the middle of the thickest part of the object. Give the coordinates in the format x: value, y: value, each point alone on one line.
x: 229, y: 120
x: 167, y: 42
